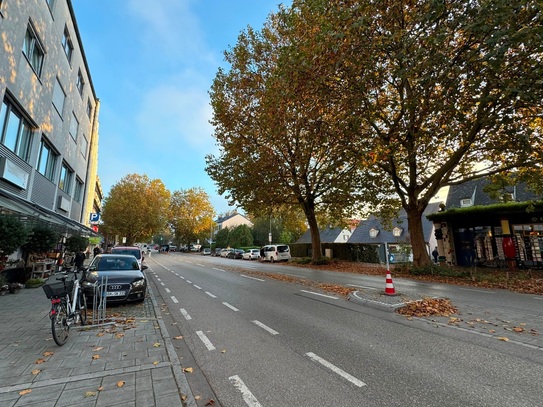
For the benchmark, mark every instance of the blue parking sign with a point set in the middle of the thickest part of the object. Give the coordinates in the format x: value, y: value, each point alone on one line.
x: 94, y: 217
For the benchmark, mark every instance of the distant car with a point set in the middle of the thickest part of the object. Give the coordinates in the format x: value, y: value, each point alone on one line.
x: 173, y: 248
x: 276, y: 252
x: 216, y: 252
x: 236, y: 254
x: 251, y: 254
x: 224, y: 252
x: 206, y: 251
x: 133, y: 250
x: 126, y: 281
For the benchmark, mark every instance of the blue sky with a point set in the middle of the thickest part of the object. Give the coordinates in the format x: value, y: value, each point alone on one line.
x: 152, y: 64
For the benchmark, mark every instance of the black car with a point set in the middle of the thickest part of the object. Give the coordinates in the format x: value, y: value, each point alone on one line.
x: 236, y: 254
x: 126, y: 281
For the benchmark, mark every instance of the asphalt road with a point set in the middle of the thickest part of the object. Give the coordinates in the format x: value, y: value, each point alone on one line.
x: 252, y: 341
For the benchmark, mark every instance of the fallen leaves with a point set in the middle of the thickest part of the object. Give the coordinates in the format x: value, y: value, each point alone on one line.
x: 428, y: 307
x: 156, y: 345
x: 188, y: 369
x: 35, y: 371
x: 89, y: 394
x: 178, y: 337
x: 120, y: 383
x: 39, y: 361
x: 23, y: 392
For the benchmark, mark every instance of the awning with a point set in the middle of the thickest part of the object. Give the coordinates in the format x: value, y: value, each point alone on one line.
x: 31, y: 213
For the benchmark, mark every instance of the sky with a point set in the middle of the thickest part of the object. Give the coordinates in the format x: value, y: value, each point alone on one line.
x: 152, y: 64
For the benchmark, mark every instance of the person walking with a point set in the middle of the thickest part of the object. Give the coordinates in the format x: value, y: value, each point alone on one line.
x: 435, y: 253
x: 79, y: 259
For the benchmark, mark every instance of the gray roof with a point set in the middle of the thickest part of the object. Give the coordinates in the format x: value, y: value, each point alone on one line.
x: 328, y: 235
x: 362, y: 233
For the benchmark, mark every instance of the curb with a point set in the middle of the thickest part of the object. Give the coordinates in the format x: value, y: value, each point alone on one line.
x: 391, y: 305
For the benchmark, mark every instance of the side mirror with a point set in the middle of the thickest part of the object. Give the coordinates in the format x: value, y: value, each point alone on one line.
x: 144, y: 267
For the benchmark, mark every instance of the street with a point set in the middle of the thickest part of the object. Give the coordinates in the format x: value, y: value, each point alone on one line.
x: 253, y: 341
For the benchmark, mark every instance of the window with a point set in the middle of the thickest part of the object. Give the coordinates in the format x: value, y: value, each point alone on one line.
x: 78, y: 193
x: 466, y: 202
x: 33, y: 50
x: 83, y: 146
x: 15, y: 131
x: 89, y: 108
x: 50, y: 3
x: 67, y: 44
x: 80, y: 82
x: 65, y: 181
x: 58, y: 97
x: 47, y: 160
x: 74, y: 127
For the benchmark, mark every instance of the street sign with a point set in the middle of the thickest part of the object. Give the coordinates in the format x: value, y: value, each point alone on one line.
x: 95, y: 228
x: 94, y: 217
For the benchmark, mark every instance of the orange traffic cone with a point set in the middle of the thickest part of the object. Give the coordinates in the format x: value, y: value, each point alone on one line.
x: 389, y: 286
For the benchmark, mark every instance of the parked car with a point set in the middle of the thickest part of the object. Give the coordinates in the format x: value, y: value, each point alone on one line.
x: 133, y: 250
x: 224, y: 252
x: 206, y: 251
x: 251, y: 254
x: 216, y: 252
x: 235, y: 254
x: 276, y: 252
x: 126, y: 281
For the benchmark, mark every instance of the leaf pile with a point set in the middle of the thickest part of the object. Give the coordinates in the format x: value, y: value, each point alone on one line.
x: 428, y: 307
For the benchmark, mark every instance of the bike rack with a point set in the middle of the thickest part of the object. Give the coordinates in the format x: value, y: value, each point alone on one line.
x: 99, y: 302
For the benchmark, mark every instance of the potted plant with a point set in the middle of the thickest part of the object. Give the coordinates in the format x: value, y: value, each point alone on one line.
x: 4, y: 287
x: 14, y: 288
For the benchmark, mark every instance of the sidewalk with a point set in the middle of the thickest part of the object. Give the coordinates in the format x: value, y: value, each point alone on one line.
x: 131, y: 362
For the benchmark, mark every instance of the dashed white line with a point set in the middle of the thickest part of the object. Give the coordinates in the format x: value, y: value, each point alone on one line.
x: 538, y: 298
x: 201, y: 265
x: 197, y: 286
x: 336, y: 369
x: 478, y: 291
x: 211, y: 295
x: 167, y: 290
x: 205, y: 340
x: 158, y: 279
x: 218, y: 269
x: 362, y: 286
x: 265, y: 327
x: 185, y: 314
x: 230, y: 306
x: 188, y: 281
x: 248, y: 397
x: 162, y: 284
x: 182, y: 277
x: 174, y: 300
x: 252, y: 278
x: 319, y: 294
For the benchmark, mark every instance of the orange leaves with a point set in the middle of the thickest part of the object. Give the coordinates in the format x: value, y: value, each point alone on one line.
x: 429, y: 307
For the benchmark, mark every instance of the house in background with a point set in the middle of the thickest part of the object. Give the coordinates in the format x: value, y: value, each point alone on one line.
x: 232, y: 220
x: 475, y: 229
x: 328, y: 235
x: 395, y: 240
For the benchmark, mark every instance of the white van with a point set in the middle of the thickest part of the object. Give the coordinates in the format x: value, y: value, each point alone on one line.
x: 276, y: 252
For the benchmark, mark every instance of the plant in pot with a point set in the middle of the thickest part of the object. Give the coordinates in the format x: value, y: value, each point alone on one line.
x: 13, y: 235
x: 4, y: 287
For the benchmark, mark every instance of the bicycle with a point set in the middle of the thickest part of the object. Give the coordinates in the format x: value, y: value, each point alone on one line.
x: 68, y: 305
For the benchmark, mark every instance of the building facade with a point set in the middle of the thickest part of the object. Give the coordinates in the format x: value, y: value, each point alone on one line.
x: 48, y: 116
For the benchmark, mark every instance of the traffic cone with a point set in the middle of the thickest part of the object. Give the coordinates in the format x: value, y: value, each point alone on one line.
x: 389, y: 286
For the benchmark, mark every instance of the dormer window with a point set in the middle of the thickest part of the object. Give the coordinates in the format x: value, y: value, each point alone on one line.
x: 466, y: 202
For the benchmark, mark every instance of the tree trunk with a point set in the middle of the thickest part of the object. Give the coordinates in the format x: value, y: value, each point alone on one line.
x: 316, y: 252
x: 418, y: 243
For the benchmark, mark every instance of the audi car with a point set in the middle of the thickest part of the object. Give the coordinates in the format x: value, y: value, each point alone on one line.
x: 118, y: 277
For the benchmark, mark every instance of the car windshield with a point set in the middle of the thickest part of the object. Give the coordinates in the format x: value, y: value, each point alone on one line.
x: 134, y: 252
x: 117, y: 263
x: 282, y: 249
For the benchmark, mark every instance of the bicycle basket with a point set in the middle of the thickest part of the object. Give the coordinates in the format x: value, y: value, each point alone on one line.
x: 56, y: 290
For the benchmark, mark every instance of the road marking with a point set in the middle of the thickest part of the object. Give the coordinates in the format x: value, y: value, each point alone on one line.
x: 158, y: 279
x: 252, y: 278
x: 538, y: 298
x: 197, y: 286
x: 205, y: 340
x: 185, y: 313
x: 478, y: 291
x: 182, y: 277
x: 293, y: 275
x: 248, y: 397
x: 215, y: 268
x: 174, y: 299
x: 336, y: 369
x: 167, y: 290
x: 162, y: 284
x: 362, y: 286
x: 202, y: 265
x: 230, y: 306
x: 265, y: 327
x: 211, y: 295
x: 319, y: 294
x: 188, y: 281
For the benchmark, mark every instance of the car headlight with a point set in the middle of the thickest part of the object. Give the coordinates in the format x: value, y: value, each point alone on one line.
x: 138, y: 283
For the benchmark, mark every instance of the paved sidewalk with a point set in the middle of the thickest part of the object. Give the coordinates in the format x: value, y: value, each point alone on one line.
x: 130, y: 362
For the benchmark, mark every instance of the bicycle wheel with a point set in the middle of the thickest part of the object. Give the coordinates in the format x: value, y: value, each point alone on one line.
x: 59, y: 324
x: 82, y: 308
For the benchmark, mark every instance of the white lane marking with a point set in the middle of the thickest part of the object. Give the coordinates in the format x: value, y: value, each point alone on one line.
x: 205, y: 340
x: 174, y: 300
x: 265, y: 327
x: 202, y: 265
x: 252, y: 278
x: 248, y: 397
x: 211, y: 295
x: 182, y: 277
x: 158, y: 279
x: 322, y: 295
x: 185, y: 313
x: 230, y: 306
x: 538, y: 298
x: 479, y: 291
x: 167, y: 290
x: 336, y: 369
x: 162, y: 284
x: 215, y: 268
x: 197, y: 286
x: 188, y: 281
x: 362, y: 286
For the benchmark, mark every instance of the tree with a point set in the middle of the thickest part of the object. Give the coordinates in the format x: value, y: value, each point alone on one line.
x: 240, y: 236
x: 277, y: 130
x: 40, y: 240
x: 76, y: 243
x: 12, y: 234
x: 221, y: 238
x: 136, y: 208
x: 191, y: 214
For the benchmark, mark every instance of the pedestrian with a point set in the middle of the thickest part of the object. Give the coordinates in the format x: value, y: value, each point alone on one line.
x: 435, y: 253
x: 97, y: 251
x: 261, y: 254
x: 79, y: 259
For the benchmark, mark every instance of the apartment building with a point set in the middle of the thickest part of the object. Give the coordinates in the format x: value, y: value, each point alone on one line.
x: 48, y: 117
